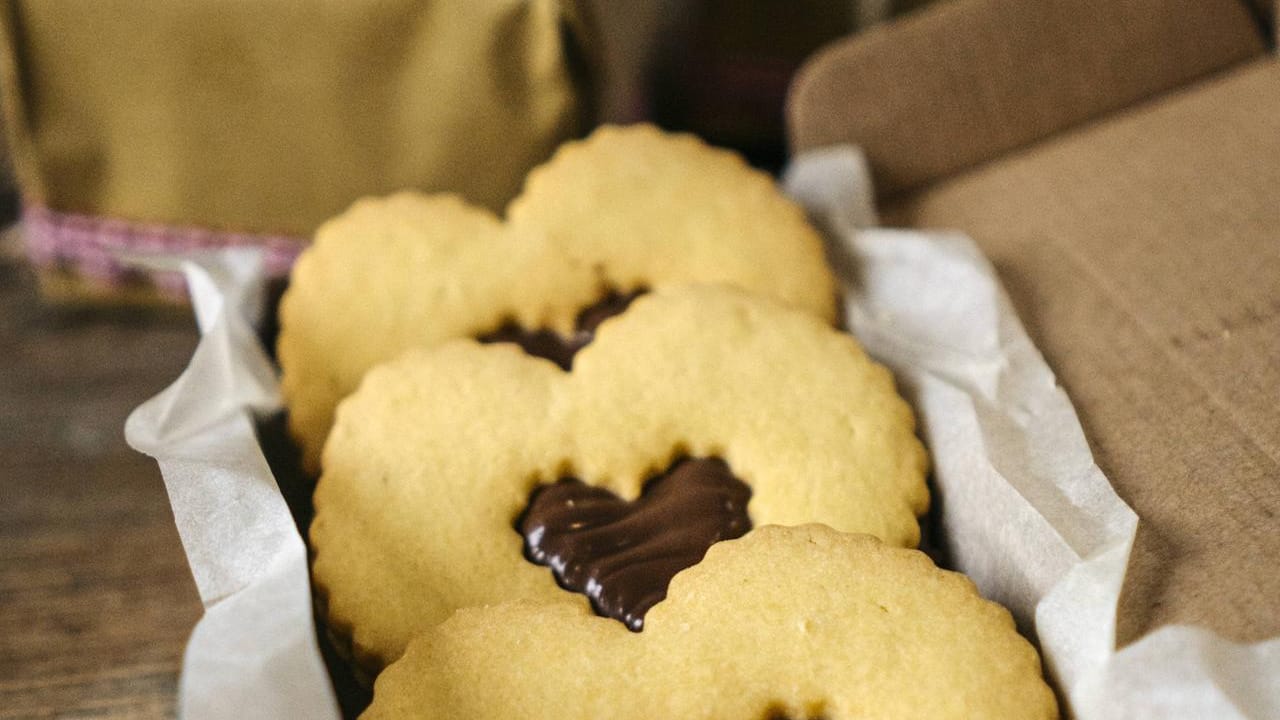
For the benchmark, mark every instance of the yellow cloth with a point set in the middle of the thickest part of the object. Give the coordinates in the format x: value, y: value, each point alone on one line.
x: 269, y: 117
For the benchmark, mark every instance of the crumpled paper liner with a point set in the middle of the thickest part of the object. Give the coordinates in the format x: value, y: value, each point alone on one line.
x: 1023, y: 509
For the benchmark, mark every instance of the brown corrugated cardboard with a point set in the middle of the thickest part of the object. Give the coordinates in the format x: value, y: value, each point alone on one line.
x: 1143, y: 253
x: 1144, y: 256
x: 978, y: 78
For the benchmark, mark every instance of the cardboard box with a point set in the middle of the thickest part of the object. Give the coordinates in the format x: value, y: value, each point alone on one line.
x: 1120, y: 164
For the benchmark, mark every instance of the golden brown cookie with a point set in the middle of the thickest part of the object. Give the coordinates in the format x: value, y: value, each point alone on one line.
x: 802, y: 622
x: 628, y: 208
x: 432, y: 462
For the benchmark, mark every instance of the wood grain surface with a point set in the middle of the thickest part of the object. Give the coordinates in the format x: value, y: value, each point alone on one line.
x: 96, y: 600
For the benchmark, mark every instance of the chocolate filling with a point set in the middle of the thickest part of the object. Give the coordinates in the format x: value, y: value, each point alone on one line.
x: 622, y: 555
x: 555, y: 347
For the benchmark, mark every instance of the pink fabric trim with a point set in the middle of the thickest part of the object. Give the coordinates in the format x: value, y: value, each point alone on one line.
x: 88, y: 245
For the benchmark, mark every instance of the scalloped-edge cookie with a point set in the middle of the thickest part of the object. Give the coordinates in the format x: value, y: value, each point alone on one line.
x: 800, y: 622
x: 432, y: 461
x: 628, y: 208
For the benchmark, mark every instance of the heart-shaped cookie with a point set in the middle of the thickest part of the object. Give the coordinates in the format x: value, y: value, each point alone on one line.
x: 433, y: 460
x: 798, y: 622
x: 628, y: 208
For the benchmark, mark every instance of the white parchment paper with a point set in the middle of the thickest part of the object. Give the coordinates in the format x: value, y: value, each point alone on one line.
x: 254, y: 653
x: 1025, y: 511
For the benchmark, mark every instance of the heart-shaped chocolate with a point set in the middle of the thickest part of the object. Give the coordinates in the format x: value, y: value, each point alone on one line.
x: 557, y: 348
x: 622, y: 555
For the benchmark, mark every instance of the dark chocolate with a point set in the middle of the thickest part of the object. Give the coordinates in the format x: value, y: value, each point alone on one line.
x: 555, y: 347
x: 622, y: 555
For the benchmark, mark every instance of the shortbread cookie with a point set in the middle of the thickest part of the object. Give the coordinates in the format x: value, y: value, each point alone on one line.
x: 800, y: 622
x: 626, y: 210
x: 432, y: 462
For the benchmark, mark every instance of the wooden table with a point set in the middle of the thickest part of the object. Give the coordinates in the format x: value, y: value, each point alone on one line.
x: 96, y: 600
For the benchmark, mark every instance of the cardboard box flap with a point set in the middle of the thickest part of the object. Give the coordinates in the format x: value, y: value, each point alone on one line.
x: 965, y: 82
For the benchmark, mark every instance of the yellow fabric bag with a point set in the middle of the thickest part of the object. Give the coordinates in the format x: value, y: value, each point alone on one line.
x: 142, y: 125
